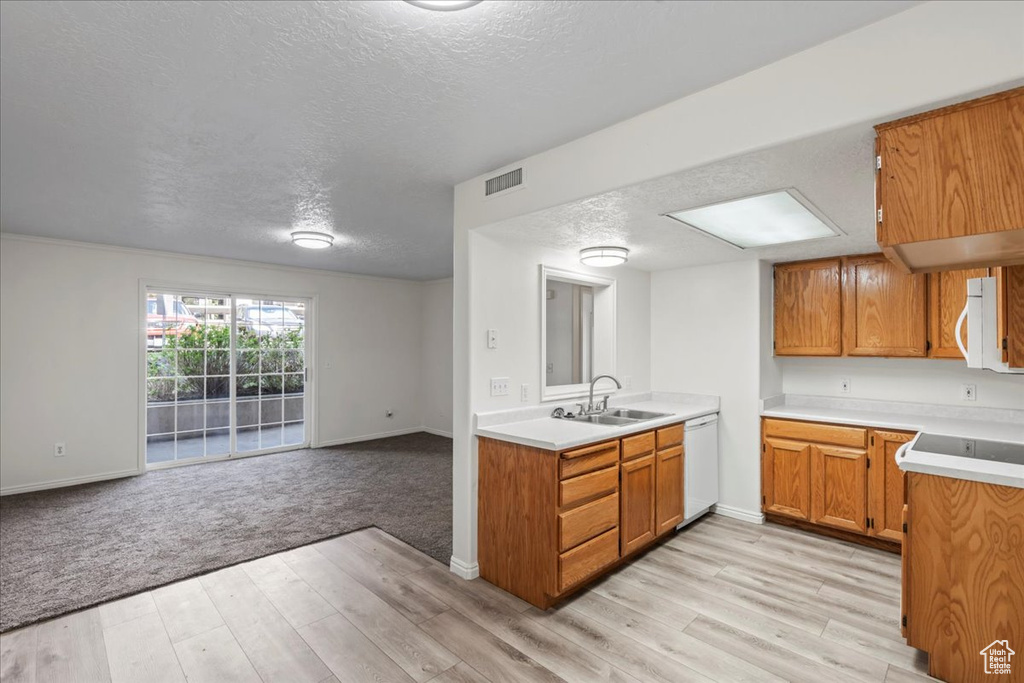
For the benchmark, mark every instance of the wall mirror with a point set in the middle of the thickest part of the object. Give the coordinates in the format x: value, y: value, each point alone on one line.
x: 577, y: 331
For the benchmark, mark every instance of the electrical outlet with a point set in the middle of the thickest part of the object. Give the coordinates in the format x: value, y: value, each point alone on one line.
x: 968, y: 392
x: 524, y: 392
x: 492, y: 339
x: 499, y: 386
x: 844, y: 385
x: 967, y: 447
x: 627, y: 382
x: 60, y: 449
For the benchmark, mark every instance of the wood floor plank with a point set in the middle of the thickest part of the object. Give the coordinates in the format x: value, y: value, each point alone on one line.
x: 140, y: 650
x: 294, y: 598
x: 418, y: 654
x: 276, y: 650
x: 673, y: 555
x: 350, y: 654
x: 126, y: 609
x: 498, y: 661
x: 186, y: 609
x: 888, y: 650
x: 742, y: 531
x: 898, y: 675
x: 764, y: 653
x: 71, y: 649
x: 621, y: 651
x: 718, y: 665
x: 395, y: 589
x: 796, y: 640
x: 391, y: 552
x: 18, y: 655
x: 441, y: 582
x: 214, y: 656
x: 548, y: 649
x: 460, y: 673
x: 672, y: 614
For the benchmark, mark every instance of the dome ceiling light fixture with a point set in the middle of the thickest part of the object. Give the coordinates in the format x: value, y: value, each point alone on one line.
x: 443, y: 5
x: 309, y: 239
x: 604, y: 257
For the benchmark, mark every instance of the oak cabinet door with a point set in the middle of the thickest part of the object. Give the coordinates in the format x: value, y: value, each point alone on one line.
x: 886, y: 497
x: 884, y: 310
x: 957, y: 172
x: 1010, y: 314
x: 947, y: 296
x: 808, y: 305
x: 787, y: 478
x: 839, y: 487
x: 637, y: 492
x: 669, y: 501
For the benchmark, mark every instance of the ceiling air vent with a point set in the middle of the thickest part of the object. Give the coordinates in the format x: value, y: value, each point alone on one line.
x: 505, y: 181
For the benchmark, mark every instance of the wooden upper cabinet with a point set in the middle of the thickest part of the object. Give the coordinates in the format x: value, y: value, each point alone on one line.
x: 808, y: 307
x: 951, y: 185
x: 886, y: 498
x: 786, y: 478
x: 947, y: 296
x: 1010, y: 314
x: 839, y: 487
x: 884, y: 309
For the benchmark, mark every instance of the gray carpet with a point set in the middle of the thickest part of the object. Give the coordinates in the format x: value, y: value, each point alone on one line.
x: 65, y: 549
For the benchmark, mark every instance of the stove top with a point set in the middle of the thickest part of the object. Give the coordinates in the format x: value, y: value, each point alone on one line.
x: 978, y: 449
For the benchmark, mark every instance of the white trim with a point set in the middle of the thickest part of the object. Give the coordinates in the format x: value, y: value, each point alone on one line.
x: 739, y: 513
x: 73, y: 481
x: 195, y: 257
x: 437, y: 432
x: 368, y: 437
x: 464, y: 570
x: 562, y: 392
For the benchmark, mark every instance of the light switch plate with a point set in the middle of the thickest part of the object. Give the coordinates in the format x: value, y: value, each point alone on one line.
x: 524, y: 392
x: 59, y: 449
x: 492, y: 339
x: 499, y: 386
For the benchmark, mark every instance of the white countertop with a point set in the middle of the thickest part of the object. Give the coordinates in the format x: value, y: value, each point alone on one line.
x: 965, y: 423
x: 552, y: 434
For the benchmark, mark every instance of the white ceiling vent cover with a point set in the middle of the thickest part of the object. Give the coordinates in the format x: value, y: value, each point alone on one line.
x: 503, y: 182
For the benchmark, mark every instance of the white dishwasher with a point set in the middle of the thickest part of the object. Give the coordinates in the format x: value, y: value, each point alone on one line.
x: 700, y: 481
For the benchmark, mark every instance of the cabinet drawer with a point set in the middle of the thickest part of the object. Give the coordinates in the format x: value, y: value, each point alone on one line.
x: 854, y: 437
x: 670, y: 436
x: 588, y: 559
x: 587, y: 521
x: 635, y: 446
x: 588, y: 459
x: 587, y: 486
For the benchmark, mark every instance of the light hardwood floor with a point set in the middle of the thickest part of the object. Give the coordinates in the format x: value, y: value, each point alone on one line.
x: 720, y: 601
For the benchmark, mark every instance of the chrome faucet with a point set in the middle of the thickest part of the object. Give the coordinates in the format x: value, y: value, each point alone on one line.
x: 604, y: 404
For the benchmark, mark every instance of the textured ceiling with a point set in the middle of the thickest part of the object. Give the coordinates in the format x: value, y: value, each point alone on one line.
x: 833, y: 171
x: 215, y: 128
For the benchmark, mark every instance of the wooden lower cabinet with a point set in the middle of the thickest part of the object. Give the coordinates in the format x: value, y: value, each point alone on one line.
x: 549, y: 521
x: 963, y: 563
x: 638, y: 488
x: 834, y: 476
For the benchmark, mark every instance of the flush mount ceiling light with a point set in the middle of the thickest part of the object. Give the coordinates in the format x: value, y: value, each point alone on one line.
x: 309, y: 239
x: 443, y: 5
x: 762, y: 220
x: 604, y: 257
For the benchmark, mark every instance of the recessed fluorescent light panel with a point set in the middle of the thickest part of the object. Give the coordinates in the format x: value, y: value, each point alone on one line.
x: 760, y: 221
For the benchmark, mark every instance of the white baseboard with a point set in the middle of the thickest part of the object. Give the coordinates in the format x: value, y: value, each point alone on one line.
x: 739, y: 513
x: 368, y: 437
x: 73, y: 481
x: 464, y: 570
x: 437, y: 432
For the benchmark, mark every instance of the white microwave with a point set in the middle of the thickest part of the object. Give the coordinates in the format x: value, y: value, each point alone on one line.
x: 984, y: 347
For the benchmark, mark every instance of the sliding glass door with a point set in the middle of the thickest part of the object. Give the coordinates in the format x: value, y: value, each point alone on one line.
x: 225, y: 376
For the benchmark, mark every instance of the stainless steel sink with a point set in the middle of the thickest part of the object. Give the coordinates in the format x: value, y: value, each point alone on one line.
x: 606, y: 419
x: 639, y: 415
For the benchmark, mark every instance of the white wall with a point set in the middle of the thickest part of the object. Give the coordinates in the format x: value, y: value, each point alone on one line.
x: 706, y: 339
x: 436, y: 356
x: 901, y: 379
x: 70, y: 343
x: 506, y: 294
